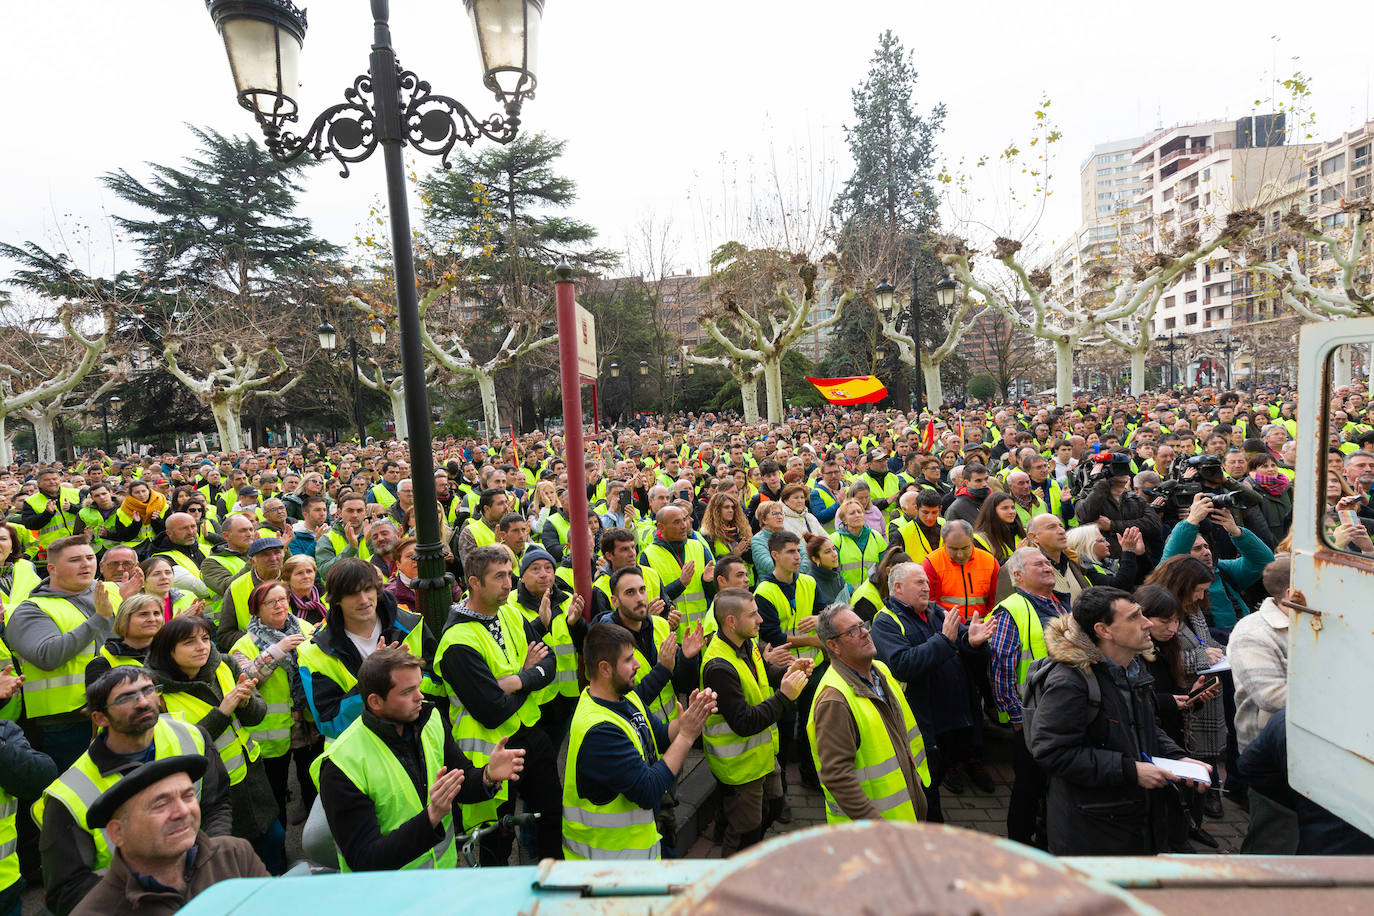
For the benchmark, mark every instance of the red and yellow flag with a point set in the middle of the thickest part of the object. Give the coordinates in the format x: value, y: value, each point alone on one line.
x: 857, y: 390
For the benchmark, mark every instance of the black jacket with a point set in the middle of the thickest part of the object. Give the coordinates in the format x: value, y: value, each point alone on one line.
x: 68, y: 852
x: 352, y: 815
x: 1131, y: 511
x: 937, y: 682
x: 1094, y: 805
x: 24, y: 774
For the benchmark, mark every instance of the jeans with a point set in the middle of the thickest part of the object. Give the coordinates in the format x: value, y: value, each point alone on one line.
x: 541, y: 790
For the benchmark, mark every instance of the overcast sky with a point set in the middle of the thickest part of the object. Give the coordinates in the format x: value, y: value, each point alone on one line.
x: 658, y: 100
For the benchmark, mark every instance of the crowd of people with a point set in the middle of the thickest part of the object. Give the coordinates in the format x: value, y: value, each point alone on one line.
x: 873, y: 596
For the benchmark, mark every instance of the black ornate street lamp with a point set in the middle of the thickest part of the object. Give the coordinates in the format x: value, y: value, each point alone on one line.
x: 1169, y: 347
x: 393, y: 108
x: 329, y: 342
x: 945, y: 293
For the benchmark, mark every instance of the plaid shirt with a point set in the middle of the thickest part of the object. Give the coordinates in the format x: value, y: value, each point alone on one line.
x: 1005, y: 646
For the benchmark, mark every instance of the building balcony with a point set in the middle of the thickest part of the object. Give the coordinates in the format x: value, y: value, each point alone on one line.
x: 1194, y: 152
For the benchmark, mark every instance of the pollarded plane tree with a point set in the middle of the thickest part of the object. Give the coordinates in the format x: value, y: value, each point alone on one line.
x: 1127, y: 294
x: 44, y: 359
x: 763, y: 301
x: 745, y: 373
x: 447, y: 335
x: 1322, y: 272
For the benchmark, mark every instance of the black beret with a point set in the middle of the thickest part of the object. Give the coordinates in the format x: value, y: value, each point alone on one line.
x: 103, y: 809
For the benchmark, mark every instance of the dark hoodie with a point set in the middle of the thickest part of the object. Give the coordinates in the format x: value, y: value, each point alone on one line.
x: 965, y: 505
x: 333, y: 707
x: 1094, y: 805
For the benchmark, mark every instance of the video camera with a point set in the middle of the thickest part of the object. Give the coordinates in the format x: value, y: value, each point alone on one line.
x: 1180, y: 491
x: 1101, y: 466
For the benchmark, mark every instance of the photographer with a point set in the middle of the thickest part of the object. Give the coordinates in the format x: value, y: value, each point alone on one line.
x: 1203, y: 474
x: 1105, y: 498
x: 1232, y: 577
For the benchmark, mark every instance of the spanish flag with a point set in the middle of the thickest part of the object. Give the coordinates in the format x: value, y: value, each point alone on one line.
x: 863, y: 389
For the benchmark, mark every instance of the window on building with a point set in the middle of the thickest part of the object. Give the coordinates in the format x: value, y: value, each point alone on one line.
x: 1311, y: 176
x: 1207, y: 174
x: 1207, y: 199
x: 1275, y: 220
x: 1190, y: 298
x: 1333, y: 165
x: 1333, y: 220
x: 1101, y: 173
x: 1168, y: 302
x: 1120, y: 156
x: 1190, y: 318
x: 1361, y: 157
x: 1104, y: 208
x: 1333, y: 193
x: 1361, y: 185
x: 1170, y: 324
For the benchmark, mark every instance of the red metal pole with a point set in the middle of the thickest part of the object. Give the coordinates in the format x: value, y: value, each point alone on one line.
x: 579, y: 538
x: 596, y: 411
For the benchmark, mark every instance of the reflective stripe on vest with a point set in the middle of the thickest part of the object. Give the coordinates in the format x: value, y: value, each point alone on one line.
x: 366, y: 761
x: 737, y: 759
x: 61, y: 689
x: 876, y: 764
x: 619, y: 829
x: 235, y: 747
x: 560, y: 642
x: 82, y: 783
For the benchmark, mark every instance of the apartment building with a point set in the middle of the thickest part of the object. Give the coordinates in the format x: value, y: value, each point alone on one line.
x: 1110, y: 180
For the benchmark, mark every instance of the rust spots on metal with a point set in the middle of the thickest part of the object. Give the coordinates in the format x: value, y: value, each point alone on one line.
x: 884, y: 867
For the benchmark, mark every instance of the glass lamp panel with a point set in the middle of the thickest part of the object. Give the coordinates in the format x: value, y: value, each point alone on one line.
x: 507, y: 33
x: 252, y: 46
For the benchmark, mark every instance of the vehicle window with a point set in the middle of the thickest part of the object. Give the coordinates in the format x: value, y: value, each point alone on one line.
x: 1347, y: 517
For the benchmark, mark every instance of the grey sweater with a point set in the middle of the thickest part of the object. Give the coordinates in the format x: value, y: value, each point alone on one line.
x: 36, y: 638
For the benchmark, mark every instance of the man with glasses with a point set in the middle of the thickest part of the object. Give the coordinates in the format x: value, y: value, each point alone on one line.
x: 123, y: 705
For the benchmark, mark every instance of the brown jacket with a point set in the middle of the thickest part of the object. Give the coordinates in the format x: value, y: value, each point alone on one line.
x: 217, y: 859
x: 837, y: 742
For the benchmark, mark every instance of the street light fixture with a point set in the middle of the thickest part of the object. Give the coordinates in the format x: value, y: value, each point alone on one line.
x: 105, y: 418
x: 1169, y: 347
x: 329, y: 338
x: 393, y: 108
x: 378, y: 334
x: 329, y: 342
x: 615, y: 370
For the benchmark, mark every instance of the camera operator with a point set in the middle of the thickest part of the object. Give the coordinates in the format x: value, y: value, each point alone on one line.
x: 1231, y: 577
x: 1203, y: 474
x: 1107, y: 500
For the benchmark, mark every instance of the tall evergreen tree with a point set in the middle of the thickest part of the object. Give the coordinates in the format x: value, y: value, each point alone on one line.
x: 888, y: 205
x: 498, y: 214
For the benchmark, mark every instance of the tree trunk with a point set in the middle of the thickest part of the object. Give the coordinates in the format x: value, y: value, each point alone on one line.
x: 6, y: 450
x: 1138, y: 371
x: 486, y: 386
x: 935, y: 389
x: 397, y: 393
x: 1342, y: 367
x: 44, y: 437
x: 220, y: 410
x: 1063, y: 372
x: 772, y: 381
x: 749, y: 395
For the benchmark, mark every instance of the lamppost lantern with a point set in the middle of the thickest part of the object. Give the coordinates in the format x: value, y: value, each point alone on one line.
x: 389, y: 110
x: 116, y: 399
x: 945, y: 292
x: 263, y: 40
x: 507, y: 34
x: 378, y: 333
x: 615, y: 370
x: 691, y: 369
x: 643, y: 367
x: 884, y: 296
x: 329, y: 338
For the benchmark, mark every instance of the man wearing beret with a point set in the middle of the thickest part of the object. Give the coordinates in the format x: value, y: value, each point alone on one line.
x: 162, y: 859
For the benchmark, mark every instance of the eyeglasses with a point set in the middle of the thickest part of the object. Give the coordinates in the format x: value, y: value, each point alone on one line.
x: 195, y: 510
x: 134, y: 696
x: 845, y: 634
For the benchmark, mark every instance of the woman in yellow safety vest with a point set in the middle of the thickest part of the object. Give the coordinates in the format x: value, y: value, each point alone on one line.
x: 999, y: 529
x: 267, y: 654
x: 157, y: 581
x: 135, y: 624
x: 209, y: 690
x: 18, y: 575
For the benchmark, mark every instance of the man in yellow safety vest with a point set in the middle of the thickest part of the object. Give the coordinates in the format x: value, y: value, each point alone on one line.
x: 389, y: 783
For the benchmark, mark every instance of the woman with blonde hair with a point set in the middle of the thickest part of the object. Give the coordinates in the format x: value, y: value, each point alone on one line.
x: 724, y: 526
x: 134, y: 625
x: 542, y: 504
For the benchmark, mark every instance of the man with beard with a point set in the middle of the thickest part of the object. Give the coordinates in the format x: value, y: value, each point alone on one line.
x: 388, y: 785
x: 615, y: 777
x: 178, y: 543
x: 123, y: 705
